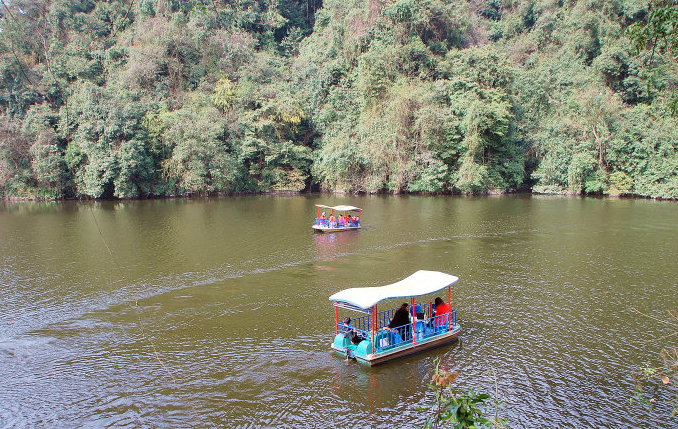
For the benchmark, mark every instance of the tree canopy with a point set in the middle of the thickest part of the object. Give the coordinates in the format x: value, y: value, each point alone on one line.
x: 145, y: 98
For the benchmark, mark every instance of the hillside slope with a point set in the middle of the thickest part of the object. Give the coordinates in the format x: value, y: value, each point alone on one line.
x: 133, y: 99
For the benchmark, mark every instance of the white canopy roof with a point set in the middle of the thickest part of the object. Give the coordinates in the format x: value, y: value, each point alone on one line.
x: 420, y: 283
x: 340, y: 208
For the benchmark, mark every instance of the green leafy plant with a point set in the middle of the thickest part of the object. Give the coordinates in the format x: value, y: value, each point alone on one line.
x: 658, y: 34
x: 656, y: 382
x: 459, y: 408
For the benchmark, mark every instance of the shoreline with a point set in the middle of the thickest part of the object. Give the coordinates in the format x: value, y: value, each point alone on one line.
x: 293, y: 193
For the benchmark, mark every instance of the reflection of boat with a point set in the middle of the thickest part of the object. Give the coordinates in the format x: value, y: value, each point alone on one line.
x: 380, y: 344
x: 331, y: 246
x: 346, y: 222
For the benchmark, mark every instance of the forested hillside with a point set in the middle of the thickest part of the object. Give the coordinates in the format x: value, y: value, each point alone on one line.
x: 142, y: 98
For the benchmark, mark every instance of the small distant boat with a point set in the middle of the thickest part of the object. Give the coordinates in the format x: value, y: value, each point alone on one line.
x: 376, y: 342
x: 339, y: 219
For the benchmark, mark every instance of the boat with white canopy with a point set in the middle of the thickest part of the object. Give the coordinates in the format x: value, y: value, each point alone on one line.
x: 373, y: 338
x: 341, y: 218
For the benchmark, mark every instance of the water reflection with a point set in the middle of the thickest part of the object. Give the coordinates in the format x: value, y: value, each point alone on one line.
x: 334, y: 244
x: 32, y: 207
x: 238, y: 311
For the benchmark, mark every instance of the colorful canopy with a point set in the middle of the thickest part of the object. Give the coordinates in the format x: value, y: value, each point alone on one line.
x: 340, y: 208
x: 420, y: 283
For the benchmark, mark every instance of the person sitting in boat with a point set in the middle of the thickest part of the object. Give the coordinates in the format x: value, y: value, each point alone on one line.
x: 345, y: 325
x: 441, y: 311
x: 356, y: 221
x: 342, y: 221
x: 323, y: 219
x: 354, y: 336
x: 417, y: 311
x: 333, y: 221
x: 400, y: 318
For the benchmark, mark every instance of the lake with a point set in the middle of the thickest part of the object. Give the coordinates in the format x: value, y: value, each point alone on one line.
x: 214, y: 312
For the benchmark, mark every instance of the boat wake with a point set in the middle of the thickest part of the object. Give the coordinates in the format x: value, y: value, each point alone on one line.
x: 18, y: 318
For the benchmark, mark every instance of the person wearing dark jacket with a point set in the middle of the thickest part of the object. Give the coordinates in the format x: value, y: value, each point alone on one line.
x: 400, y: 318
x: 354, y: 336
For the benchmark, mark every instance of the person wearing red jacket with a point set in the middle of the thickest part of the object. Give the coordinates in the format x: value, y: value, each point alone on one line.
x: 442, y: 313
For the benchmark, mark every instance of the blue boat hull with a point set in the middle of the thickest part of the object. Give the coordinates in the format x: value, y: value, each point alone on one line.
x: 363, y: 352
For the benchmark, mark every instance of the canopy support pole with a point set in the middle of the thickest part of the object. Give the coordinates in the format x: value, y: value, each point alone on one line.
x: 449, y: 305
x: 317, y: 219
x: 414, y: 320
x: 336, y: 320
x: 374, y: 325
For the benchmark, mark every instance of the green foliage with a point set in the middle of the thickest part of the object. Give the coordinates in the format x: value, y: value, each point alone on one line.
x: 478, y: 93
x: 622, y: 73
x: 408, y: 118
x: 113, y: 160
x: 14, y: 151
x: 119, y: 99
x: 459, y: 408
x: 47, y: 162
x: 201, y: 159
x: 620, y: 183
x: 652, y: 382
x: 658, y: 34
x: 224, y: 94
x: 657, y: 383
x: 377, y: 71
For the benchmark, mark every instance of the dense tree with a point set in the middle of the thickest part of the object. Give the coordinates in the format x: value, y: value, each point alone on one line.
x: 130, y: 99
x: 657, y: 35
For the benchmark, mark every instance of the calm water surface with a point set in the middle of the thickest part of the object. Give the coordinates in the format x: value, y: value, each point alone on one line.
x: 214, y: 312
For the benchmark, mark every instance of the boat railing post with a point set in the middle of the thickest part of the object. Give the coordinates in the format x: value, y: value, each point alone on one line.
x: 336, y: 319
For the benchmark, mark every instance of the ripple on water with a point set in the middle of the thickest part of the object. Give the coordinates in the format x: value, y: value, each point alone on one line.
x: 233, y: 327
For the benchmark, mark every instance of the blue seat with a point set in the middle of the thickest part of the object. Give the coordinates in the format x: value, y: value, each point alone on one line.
x: 420, y: 329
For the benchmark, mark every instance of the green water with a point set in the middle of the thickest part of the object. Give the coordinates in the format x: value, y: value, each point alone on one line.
x: 233, y: 325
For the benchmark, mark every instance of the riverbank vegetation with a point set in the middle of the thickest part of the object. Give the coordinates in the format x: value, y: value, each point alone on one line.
x: 169, y: 97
